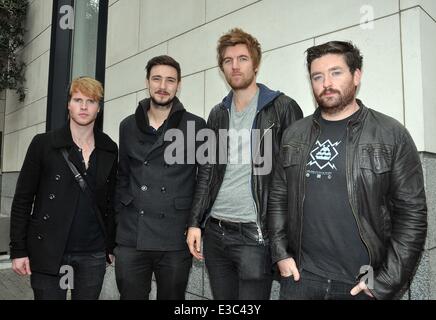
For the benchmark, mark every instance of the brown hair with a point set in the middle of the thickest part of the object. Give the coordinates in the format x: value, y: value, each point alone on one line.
x: 163, y: 60
x: 88, y: 86
x: 351, y: 53
x: 238, y: 36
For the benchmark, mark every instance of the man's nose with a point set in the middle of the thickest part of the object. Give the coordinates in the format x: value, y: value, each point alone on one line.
x: 327, y: 82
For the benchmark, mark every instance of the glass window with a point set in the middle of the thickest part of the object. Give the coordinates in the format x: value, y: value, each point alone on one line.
x: 84, y: 48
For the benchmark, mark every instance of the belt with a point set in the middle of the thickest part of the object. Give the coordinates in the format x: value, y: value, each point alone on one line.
x: 232, y: 225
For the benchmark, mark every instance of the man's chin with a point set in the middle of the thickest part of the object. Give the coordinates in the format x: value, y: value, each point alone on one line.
x: 162, y: 104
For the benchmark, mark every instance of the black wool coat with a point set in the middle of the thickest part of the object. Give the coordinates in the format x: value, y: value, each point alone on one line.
x: 154, y: 197
x: 46, y: 195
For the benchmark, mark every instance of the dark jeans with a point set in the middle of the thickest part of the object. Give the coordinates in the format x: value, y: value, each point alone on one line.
x: 134, y: 269
x: 239, y: 266
x: 314, y: 287
x: 85, y: 278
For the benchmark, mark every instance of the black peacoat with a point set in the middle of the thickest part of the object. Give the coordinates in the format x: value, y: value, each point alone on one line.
x: 46, y: 194
x: 154, y: 197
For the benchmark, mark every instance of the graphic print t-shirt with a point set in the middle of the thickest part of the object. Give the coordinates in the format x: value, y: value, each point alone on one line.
x: 331, y: 244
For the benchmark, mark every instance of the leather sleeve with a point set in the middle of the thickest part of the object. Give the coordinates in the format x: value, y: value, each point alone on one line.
x: 409, y: 221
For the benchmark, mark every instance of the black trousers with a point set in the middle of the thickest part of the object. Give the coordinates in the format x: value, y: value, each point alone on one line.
x: 239, y: 266
x: 82, y: 273
x: 311, y: 286
x: 134, y: 269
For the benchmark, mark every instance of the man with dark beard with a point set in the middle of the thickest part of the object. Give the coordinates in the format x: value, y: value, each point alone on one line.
x: 231, y: 196
x: 154, y: 195
x: 347, y: 208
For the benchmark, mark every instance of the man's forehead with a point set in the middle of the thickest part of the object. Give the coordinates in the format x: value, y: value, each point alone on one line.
x: 163, y: 70
x: 330, y: 58
x: 238, y: 49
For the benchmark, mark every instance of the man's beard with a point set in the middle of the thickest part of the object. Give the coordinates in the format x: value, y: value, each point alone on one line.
x: 337, y: 103
x: 243, y: 85
x: 163, y: 105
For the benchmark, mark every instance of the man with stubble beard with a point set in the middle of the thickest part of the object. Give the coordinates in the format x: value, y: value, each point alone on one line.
x: 154, y: 196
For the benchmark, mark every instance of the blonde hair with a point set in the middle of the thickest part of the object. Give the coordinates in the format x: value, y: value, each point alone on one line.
x: 88, y: 86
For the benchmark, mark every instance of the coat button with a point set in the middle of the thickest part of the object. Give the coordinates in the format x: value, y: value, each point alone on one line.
x: 141, y: 212
x: 39, y: 237
x: 146, y: 163
x: 57, y: 177
x: 163, y: 190
x: 46, y: 217
x: 51, y: 196
x: 144, y: 188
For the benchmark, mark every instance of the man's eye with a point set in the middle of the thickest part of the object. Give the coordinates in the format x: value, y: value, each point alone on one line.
x: 316, y: 78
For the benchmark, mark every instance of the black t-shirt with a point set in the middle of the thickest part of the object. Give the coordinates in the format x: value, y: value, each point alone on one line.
x: 331, y: 244
x: 86, y: 234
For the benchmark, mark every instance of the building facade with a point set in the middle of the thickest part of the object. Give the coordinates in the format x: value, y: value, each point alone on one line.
x: 396, y: 38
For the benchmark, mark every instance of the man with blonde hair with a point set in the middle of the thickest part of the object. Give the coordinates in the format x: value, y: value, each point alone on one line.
x: 231, y: 195
x: 62, y: 220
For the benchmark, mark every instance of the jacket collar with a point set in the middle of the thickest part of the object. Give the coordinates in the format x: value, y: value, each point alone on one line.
x: 266, y: 95
x: 358, y: 116
x: 173, y: 120
x: 62, y: 138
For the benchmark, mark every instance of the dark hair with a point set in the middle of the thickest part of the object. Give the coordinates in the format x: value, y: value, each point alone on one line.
x: 163, y: 60
x: 238, y: 36
x: 350, y: 52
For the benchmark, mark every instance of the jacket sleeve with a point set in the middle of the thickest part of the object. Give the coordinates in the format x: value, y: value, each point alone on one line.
x: 25, y: 192
x: 408, y: 218
x: 292, y: 113
x: 123, y: 174
x: 278, y: 211
x: 202, y: 188
x: 111, y: 224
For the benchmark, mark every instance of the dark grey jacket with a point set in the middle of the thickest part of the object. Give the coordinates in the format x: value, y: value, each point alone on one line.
x: 153, y: 197
x: 385, y: 189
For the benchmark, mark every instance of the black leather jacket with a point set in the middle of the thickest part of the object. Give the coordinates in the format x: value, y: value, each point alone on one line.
x: 275, y: 113
x: 385, y: 190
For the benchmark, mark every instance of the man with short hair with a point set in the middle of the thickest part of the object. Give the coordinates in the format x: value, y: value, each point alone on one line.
x: 231, y: 195
x: 347, y: 210
x: 154, y: 195
x: 62, y: 235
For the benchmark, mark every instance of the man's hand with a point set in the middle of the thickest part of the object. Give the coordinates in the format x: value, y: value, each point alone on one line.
x: 193, y: 239
x: 361, y: 287
x: 111, y: 259
x: 288, y: 268
x: 21, y: 266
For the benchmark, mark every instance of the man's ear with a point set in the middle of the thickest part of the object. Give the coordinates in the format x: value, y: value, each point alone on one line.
x: 357, y: 76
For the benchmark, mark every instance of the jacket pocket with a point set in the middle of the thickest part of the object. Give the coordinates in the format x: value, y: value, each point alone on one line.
x: 126, y: 199
x: 377, y: 158
x: 291, y: 155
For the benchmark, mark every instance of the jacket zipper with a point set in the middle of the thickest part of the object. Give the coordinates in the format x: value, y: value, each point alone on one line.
x: 350, y: 194
x: 253, y: 190
x: 303, y: 185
